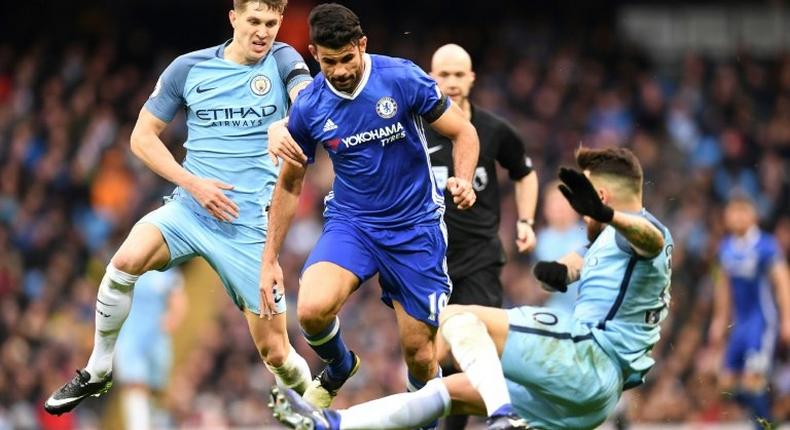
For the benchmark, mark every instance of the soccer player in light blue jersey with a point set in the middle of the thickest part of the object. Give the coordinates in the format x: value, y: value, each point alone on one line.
x: 534, y: 367
x: 384, y: 214
x: 144, y: 345
x: 750, y: 261
x: 230, y: 93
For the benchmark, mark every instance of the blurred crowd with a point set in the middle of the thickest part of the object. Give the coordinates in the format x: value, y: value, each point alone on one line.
x: 70, y: 190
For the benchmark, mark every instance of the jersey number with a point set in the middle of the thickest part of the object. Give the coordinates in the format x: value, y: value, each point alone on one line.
x: 437, y: 305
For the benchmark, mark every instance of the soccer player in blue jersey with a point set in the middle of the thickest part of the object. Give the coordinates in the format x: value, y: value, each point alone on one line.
x: 384, y: 214
x: 230, y: 93
x: 144, y: 345
x: 750, y: 260
x: 533, y: 367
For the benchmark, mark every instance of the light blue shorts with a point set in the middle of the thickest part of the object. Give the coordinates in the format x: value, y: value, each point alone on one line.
x: 557, y: 375
x: 233, y: 250
x: 143, y: 361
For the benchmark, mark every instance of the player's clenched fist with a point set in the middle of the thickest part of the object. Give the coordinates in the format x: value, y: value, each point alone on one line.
x: 552, y: 274
x: 463, y: 194
x: 270, y: 285
x: 208, y: 192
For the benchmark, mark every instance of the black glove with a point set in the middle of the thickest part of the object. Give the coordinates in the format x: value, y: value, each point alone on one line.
x: 582, y: 195
x: 552, y: 274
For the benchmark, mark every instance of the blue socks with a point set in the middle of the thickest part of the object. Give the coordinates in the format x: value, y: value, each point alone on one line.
x: 506, y: 409
x: 758, y: 404
x: 413, y: 384
x: 334, y: 419
x: 333, y: 351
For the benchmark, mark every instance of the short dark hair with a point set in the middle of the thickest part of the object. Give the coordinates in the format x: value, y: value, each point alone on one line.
x: 275, y: 5
x: 618, y: 162
x: 334, y: 26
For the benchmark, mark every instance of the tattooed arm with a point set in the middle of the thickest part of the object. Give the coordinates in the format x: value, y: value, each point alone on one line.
x: 643, y: 236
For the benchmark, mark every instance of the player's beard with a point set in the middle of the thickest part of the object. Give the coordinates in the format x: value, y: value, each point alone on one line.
x: 352, y: 82
x: 347, y: 85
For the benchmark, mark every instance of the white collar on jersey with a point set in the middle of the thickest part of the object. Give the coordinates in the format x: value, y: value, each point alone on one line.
x: 360, y: 87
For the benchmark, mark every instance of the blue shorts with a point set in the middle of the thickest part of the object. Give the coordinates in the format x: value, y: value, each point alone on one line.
x: 144, y: 361
x: 750, y: 348
x: 410, y: 261
x: 557, y: 375
x: 233, y: 250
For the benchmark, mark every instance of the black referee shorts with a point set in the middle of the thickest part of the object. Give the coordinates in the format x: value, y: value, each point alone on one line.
x: 481, y: 287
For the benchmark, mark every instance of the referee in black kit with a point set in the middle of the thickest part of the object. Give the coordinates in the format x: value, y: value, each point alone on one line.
x: 474, y: 254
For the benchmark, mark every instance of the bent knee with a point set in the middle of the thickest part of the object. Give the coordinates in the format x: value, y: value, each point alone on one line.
x: 421, y: 358
x: 273, y: 353
x: 274, y: 359
x: 452, y: 310
x: 313, y: 316
x: 129, y: 263
x: 419, y: 350
x: 460, y: 320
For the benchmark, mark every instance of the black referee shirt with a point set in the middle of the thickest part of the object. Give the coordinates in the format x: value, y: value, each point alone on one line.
x: 473, y: 233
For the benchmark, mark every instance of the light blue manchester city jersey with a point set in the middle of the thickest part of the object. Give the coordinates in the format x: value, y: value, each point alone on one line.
x: 624, y: 297
x: 229, y: 108
x: 376, y: 141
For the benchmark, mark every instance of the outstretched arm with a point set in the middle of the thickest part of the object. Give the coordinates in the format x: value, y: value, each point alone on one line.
x: 281, y: 213
x: 642, y: 235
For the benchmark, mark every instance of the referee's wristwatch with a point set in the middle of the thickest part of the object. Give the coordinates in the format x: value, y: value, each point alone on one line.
x: 529, y: 222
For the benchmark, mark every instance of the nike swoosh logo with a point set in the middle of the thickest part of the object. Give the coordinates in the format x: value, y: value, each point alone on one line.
x: 203, y: 90
x: 433, y: 149
x: 60, y: 402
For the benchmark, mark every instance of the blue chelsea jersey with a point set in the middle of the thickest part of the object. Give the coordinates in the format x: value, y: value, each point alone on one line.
x: 747, y: 262
x: 229, y: 108
x: 376, y: 141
